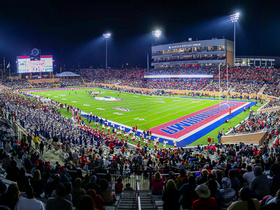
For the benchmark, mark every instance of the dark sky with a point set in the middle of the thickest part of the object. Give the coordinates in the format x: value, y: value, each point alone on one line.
x: 71, y: 30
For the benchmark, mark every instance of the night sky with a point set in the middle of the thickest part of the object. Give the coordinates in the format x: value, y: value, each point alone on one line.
x: 71, y: 30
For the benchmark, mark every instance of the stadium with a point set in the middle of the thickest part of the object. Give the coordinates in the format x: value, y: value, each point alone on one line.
x: 197, y: 128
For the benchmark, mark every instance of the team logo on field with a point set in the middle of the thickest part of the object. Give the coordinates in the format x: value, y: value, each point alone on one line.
x: 108, y: 99
x: 123, y: 109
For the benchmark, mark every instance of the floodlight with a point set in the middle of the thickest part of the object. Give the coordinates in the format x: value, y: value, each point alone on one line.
x: 156, y: 33
x: 234, y: 17
x: 107, y: 35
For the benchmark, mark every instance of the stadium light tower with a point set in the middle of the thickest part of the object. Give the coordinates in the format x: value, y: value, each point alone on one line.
x: 106, y: 36
x: 156, y: 34
x: 234, y: 18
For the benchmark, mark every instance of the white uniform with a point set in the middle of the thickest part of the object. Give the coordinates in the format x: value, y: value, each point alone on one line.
x: 164, y: 144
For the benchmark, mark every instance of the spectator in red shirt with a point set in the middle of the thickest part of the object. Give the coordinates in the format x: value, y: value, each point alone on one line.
x: 209, y: 140
x: 204, y: 201
x: 119, y: 185
x: 111, y: 145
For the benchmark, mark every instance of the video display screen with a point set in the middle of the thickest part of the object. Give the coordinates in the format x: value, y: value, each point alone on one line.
x: 25, y: 65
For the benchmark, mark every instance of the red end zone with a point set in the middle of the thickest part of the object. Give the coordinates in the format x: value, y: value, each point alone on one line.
x: 197, y: 120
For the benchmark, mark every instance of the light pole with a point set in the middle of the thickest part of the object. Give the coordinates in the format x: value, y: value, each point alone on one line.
x: 106, y: 36
x: 234, y: 19
x: 156, y: 34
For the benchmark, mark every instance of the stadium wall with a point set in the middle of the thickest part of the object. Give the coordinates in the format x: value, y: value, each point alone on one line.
x: 268, y: 110
x: 43, y: 80
x: 251, y: 138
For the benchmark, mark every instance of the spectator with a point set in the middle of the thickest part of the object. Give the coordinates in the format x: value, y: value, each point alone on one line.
x: 106, y: 192
x: 215, y: 193
x: 68, y: 189
x: 182, y: 178
x: 3, y: 188
x: 188, y: 194
x: 93, y: 185
x: 6, y: 162
x: 157, y: 184
x: 228, y: 194
x: 204, y: 201
x: 86, y: 203
x: 259, y: 185
x: 86, y: 180
x: 42, y: 148
x: 37, y: 184
x: 171, y: 196
x: 12, y: 171
x: 248, y: 176
x: 11, y: 197
x: 119, y: 185
x: 77, y: 192
x: 59, y: 202
x: 246, y: 201
x: 29, y: 203
x: 235, y: 182
x: 274, y: 203
x: 98, y: 201
x: 22, y: 180
x: 128, y: 188
x: 203, y: 177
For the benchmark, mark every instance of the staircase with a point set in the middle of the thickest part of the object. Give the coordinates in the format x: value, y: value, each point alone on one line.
x: 146, y: 201
x: 127, y: 201
x: 262, y: 89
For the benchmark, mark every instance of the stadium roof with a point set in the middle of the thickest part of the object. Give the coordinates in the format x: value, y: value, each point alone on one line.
x: 67, y: 74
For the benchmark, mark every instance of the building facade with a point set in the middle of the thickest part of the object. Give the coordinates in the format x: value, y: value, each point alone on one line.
x: 193, y: 53
x: 258, y: 61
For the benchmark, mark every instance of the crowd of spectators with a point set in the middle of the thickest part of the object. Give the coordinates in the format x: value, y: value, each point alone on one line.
x: 241, y: 79
x: 267, y: 121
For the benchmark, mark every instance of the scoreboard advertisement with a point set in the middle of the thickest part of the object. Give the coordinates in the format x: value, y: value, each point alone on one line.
x: 25, y: 65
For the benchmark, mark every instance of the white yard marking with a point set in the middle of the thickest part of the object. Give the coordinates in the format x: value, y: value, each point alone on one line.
x: 176, y: 100
x: 149, y: 98
x: 135, y: 96
x: 86, y: 105
x: 140, y: 119
x: 117, y: 113
x: 48, y: 94
x: 56, y: 96
x: 61, y: 95
x: 64, y: 99
x: 159, y: 101
x: 100, y: 109
x: 74, y: 101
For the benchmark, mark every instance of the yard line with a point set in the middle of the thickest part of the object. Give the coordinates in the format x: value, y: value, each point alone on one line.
x: 167, y: 111
x: 169, y: 114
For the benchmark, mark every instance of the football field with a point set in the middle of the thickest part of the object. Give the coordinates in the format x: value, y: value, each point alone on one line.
x: 180, y: 119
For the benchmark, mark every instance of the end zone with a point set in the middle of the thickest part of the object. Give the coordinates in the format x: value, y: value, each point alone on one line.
x: 198, y: 123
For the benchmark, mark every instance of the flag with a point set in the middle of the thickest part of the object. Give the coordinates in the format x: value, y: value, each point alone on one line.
x: 9, y: 65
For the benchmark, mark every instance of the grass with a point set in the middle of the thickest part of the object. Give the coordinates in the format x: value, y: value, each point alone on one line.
x: 147, y: 111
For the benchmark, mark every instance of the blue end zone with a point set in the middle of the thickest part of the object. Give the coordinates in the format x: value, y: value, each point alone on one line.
x: 191, y: 138
x: 211, y: 127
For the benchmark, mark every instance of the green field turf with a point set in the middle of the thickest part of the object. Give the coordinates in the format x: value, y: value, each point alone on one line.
x: 147, y: 111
